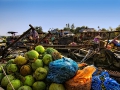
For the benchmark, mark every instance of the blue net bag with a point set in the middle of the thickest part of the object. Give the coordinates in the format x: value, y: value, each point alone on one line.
x: 104, y: 82
x: 96, y: 83
x: 61, y: 70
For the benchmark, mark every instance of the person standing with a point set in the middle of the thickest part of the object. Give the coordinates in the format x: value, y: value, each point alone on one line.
x: 97, y: 42
x: 35, y: 36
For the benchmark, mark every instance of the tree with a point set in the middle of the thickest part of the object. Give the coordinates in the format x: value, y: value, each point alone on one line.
x: 110, y: 28
x: 83, y: 27
x: 98, y: 27
x: 68, y: 25
x: 117, y: 29
x: 103, y: 29
x: 38, y: 29
x: 77, y: 30
x: 72, y: 26
x: 66, y: 29
x: 86, y: 27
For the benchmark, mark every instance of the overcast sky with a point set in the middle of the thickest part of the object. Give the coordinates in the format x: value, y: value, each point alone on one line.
x: 16, y: 15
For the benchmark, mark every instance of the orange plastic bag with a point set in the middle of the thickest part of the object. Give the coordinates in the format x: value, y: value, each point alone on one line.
x: 82, y: 79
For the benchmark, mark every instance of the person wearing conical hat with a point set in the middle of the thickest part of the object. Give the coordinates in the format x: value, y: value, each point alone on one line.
x: 98, y: 37
x: 97, y: 41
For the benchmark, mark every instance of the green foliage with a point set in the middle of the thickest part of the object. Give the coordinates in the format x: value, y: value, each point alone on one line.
x: 103, y: 29
x: 39, y: 29
x: 84, y: 27
x: 118, y: 28
x: 77, y: 30
x: 72, y: 30
x: 72, y: 26
x: 68, y: 25
x: 66, y: 29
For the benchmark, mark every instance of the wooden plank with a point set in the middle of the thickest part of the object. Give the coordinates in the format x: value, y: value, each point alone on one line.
x: 62, y: 46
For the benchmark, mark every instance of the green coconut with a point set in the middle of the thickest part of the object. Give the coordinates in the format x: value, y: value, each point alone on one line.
x: 40, y: 49
x: 54, y: 53
x: 40, y: 73
x: 47, y: 58
x: 26, y: 56
x: 50, y: 50
x: 25, y: 88
x: 56, y: 86
x: 5, y: 81
x: 11, y: 68
x: 32, y: 55
x: 20, y: 60
x: 46, y: 67
x: 38, y: 63
x: 1, y: 76
x: 10, y: 61
x: 29, y: 80
x: 39, y: 85
x: 15, y: 83
x: 1, y: 70
x: 25, y: 70
x: 2, y: 65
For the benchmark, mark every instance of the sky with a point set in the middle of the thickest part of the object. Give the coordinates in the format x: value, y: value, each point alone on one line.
x: 16, y: 15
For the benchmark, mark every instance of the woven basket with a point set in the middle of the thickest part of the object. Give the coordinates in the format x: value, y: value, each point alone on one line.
x: 86, y: 85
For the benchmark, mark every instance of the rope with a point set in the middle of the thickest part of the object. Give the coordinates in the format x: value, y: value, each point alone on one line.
x: 117, y: 36
x: 88, y: 55
x: 7, y: 77
x: 85, y: 56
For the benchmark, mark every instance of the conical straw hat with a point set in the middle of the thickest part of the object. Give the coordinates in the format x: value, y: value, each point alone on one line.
x: 98, y: 37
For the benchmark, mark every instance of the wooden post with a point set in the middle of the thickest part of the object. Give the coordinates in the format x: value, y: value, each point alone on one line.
x: 108, y: 38
x: 3, y: 52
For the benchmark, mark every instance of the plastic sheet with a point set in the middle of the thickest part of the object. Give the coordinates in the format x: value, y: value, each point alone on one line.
x: 61, y: 70
x: 118, y: 44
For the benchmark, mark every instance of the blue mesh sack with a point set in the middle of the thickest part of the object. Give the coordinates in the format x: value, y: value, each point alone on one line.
x: 104, y: 82
x: 111, y: 84
x: 61, y: 70
x: 96, y: 83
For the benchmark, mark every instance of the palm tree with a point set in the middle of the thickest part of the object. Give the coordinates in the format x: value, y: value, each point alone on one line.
x: 98, y: 27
